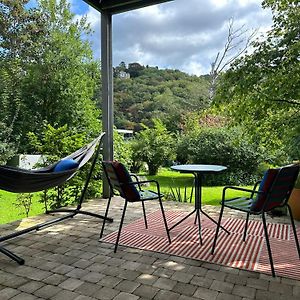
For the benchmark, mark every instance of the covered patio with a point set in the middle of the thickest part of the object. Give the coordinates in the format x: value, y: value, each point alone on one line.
x: 67, y: 261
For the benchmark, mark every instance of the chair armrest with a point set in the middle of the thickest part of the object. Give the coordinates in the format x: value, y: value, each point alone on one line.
x: 252, y: 191
x: 134, y: 176
x: 147, y: 181
x: 255, y: 187
x: 136, y: 179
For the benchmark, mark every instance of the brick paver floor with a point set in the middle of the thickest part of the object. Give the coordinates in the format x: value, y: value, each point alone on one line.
x: 67, y: 261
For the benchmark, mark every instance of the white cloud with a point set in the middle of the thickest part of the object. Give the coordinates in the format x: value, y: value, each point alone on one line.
x: 180, y: 34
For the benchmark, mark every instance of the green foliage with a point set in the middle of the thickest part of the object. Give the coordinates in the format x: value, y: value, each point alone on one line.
x: 162, y: 94
x: 59, y: 89
x: 262, y: 89
x: 21, y: 31
x: 122, y: 150
x: 24, y: 202
x: 222, y: 146
x: 54, y: 144
x: 47, y: 71
x: 20, y: 43
x: 153, y: 146
x: 181, y: 194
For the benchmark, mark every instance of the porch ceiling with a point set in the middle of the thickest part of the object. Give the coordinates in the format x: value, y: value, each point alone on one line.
x: 119, y: 6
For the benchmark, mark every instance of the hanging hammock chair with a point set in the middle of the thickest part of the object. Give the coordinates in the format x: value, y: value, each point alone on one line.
x: 18, y: 180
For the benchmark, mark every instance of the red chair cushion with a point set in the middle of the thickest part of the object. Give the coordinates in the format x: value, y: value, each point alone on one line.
x: 264, y: 187
x: 129, y: 192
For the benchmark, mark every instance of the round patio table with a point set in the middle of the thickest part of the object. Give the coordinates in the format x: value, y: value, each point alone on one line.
x: 198, y: 171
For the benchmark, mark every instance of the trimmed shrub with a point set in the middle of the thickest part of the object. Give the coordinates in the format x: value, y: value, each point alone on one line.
x: 222, y: 146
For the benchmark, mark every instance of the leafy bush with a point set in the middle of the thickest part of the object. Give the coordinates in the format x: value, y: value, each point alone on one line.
x: 222, y: 146
x: 122, y: 150
x: 54, y: 144
x: 153, y: 146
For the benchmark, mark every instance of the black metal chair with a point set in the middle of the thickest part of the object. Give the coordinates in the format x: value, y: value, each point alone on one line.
x: 274, y: 191
x: 121, y: 184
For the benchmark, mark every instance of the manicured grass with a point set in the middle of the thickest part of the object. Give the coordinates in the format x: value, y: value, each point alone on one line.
x: 9, y: 212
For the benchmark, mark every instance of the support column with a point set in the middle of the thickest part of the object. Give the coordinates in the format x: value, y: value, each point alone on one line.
x: 107, y: 91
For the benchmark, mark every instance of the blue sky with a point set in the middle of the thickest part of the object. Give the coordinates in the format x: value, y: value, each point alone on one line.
x: 181, y: 34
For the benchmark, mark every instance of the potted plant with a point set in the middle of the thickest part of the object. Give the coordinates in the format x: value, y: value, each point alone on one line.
x: 294, y: 200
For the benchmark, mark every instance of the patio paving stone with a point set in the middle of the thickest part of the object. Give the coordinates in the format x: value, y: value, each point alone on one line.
x: 8, y: 293
x: 106, y: 293
x: 206, y: 294
x: 182, y: 277
x: 222, y: 286
x: 126, y: 296
x: 127, y: 286
x: 71, y: 284
x: 55, y: 279
x: 147, y: 279
x: 24, y: 296
x: 236, y: 279
x: 224, y: 296
x: 184, y: 289
x: 166, y: 295
x: 165, y: 283
x: 47, y: 291
x: 146, y: 291
x: 31, y: 287
x: 244, y: 291
x: 67, y: 262
x: 110, y: 281
x: 202, y: 281
x: 88, y: 289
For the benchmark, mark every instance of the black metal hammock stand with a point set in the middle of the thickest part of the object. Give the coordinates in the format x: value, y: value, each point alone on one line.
x: 19, y: 180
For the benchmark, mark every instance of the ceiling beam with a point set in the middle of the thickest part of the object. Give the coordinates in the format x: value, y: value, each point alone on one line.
x: 119, y: 6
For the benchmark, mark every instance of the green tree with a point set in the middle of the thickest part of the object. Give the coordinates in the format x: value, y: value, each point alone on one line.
x: 153, y: 146
x: 21, y: 31
x: 262, y: 89
x: 60, y: 88
x: 48, y: 71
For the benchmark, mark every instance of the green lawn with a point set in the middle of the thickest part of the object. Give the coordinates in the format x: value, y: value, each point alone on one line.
x: 9, y: 212
x: 166, y: 178
x: 171, y: 179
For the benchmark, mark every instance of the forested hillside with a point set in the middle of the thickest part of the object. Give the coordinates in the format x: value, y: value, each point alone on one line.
x: 150, y: 93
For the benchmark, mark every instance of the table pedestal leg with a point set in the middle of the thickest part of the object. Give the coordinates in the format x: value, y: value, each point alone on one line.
x: 199, y: 225
x: 198, y: 200
x: 198, y: 209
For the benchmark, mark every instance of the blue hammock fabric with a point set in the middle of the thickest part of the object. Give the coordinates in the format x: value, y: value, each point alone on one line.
x: 18, y: 180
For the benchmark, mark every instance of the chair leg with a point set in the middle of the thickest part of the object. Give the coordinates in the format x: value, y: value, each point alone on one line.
x: 246, y: 227
x: 144, y: 212
x: 268, y: 244
x: 105, y: 217
x: 294, y: 229
x: 217, y: 230
x: 120, y: 227
x: 165, y: 220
